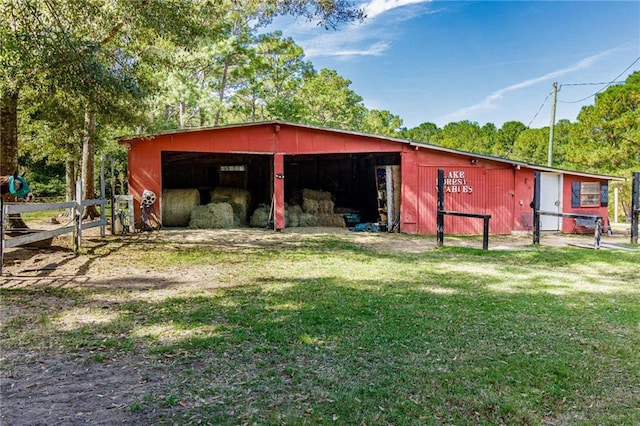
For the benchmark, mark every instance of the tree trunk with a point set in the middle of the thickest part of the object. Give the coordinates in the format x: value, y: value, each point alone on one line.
x: 181, y: 113
x: 223, y: 88
x: 70, y: 176
x: 88, y: 156
x: 9, y: 144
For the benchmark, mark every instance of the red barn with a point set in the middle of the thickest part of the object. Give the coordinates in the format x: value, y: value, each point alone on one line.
x: 381, y: 178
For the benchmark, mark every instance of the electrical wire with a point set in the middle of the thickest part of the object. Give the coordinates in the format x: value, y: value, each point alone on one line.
x: 539, y: 109
x: 601, y: 89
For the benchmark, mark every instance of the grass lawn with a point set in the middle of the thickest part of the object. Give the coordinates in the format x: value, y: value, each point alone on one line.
x: 327, y: 332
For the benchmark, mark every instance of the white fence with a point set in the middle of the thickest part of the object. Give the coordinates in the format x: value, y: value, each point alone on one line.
x: 34, y: 236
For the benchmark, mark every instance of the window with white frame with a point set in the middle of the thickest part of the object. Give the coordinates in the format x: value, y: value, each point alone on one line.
x: 589, y: 194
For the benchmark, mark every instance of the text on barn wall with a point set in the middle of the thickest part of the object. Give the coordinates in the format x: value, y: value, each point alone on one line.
x: 456, y: 182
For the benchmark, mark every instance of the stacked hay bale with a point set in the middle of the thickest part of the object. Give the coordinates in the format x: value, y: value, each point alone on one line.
x: 320, y: 204
x: 317, y: 210
x: 239, y: 198
x: 212, y: 216
x: 177, y: 205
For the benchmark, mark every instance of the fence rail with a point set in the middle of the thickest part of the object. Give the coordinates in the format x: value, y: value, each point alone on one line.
x: 32, y: 236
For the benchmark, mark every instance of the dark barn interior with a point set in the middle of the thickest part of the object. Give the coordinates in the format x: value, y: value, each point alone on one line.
x: 350, y: 178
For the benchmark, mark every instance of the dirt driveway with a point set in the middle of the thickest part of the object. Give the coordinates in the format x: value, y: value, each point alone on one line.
x: 58, y: 266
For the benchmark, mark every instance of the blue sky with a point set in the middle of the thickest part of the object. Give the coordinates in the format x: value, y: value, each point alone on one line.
x: 484, y: 61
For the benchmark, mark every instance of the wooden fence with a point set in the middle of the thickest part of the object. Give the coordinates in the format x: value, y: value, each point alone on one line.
x: 32, y: 236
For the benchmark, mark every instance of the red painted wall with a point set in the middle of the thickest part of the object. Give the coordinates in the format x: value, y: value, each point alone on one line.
x: 568, y: 224
x: 483, y: 187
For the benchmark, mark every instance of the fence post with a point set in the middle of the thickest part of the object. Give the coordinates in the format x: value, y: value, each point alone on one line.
x: 535, y: 205
x: 113, y: 197
x: 635, y: 206
x: 440, y: 217
x: 1, y: 234
x: 485, y: 233
x: 103, y: 197
x: 78, y: 217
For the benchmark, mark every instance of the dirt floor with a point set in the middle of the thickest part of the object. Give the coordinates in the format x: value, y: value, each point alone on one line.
x: 58, y: 388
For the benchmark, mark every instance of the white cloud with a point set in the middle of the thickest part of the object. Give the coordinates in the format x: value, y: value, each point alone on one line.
x: 378, y: 7
x: 490, y: 100
x: 337, y: 50
x: 373, y: 37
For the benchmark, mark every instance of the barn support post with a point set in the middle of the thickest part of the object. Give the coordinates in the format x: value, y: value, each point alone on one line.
x: 535, y: 205
x: 635, y: 206
x: 440, y: 217
x: 278, y: 192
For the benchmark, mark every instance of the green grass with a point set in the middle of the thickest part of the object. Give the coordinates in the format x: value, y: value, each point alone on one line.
x: 322, y: 331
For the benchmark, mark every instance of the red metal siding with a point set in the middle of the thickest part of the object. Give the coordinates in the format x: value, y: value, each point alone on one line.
x: 467, y: 189
x: 500, y: 200
x: 569, y: 224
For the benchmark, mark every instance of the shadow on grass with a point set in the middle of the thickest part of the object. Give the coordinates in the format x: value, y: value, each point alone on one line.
x: 431, y: 346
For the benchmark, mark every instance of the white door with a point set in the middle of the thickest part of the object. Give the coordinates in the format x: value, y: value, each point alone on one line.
x: 550, y: 200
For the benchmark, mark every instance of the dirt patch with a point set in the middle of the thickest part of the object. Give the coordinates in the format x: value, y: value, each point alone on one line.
x: 47, y: 389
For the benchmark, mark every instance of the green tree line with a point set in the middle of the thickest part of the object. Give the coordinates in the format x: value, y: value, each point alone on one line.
x: 76, y: 74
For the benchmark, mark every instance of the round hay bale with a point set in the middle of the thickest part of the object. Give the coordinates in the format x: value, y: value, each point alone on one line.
x: 212, y: 216
x: 310, y: 205
x: 295, y: 209
x: 239, y: 198
x: 177, y: 205
x: 325, y: 207
x: 291, y: 218
x: 307, y: 220
x: 260, y: 217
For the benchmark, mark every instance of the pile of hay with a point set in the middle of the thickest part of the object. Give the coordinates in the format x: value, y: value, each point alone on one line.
x: 331, y: 220
x: 260, y: 217
x: 316, y: 210
x: 239, y: 198
x: 177, y: 205
x: 212, y: 216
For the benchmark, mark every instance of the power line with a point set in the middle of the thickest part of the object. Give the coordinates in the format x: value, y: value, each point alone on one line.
x: 539, y: 109
x: 592, y: 84
x: 601, y: 89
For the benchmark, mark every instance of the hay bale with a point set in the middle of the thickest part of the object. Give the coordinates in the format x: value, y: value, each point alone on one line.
x: 239, y: 198
x: 325, y: 207
x: 177, y: 205
x: 317, y: 195
x: 296, y: 209
x: 331, y: 220
x: 310, y: 205
x: 291, y: 219
x: 212, y: 216
x: 307, y: 220
x: 260, y: 217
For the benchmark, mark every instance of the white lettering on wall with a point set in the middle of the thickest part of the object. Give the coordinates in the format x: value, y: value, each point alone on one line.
x: 456, y: 183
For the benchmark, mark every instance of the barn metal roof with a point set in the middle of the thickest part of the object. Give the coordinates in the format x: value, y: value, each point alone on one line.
x: 415, y: 144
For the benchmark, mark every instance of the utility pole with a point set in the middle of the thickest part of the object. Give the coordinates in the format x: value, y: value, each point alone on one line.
x: 553, y: 122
